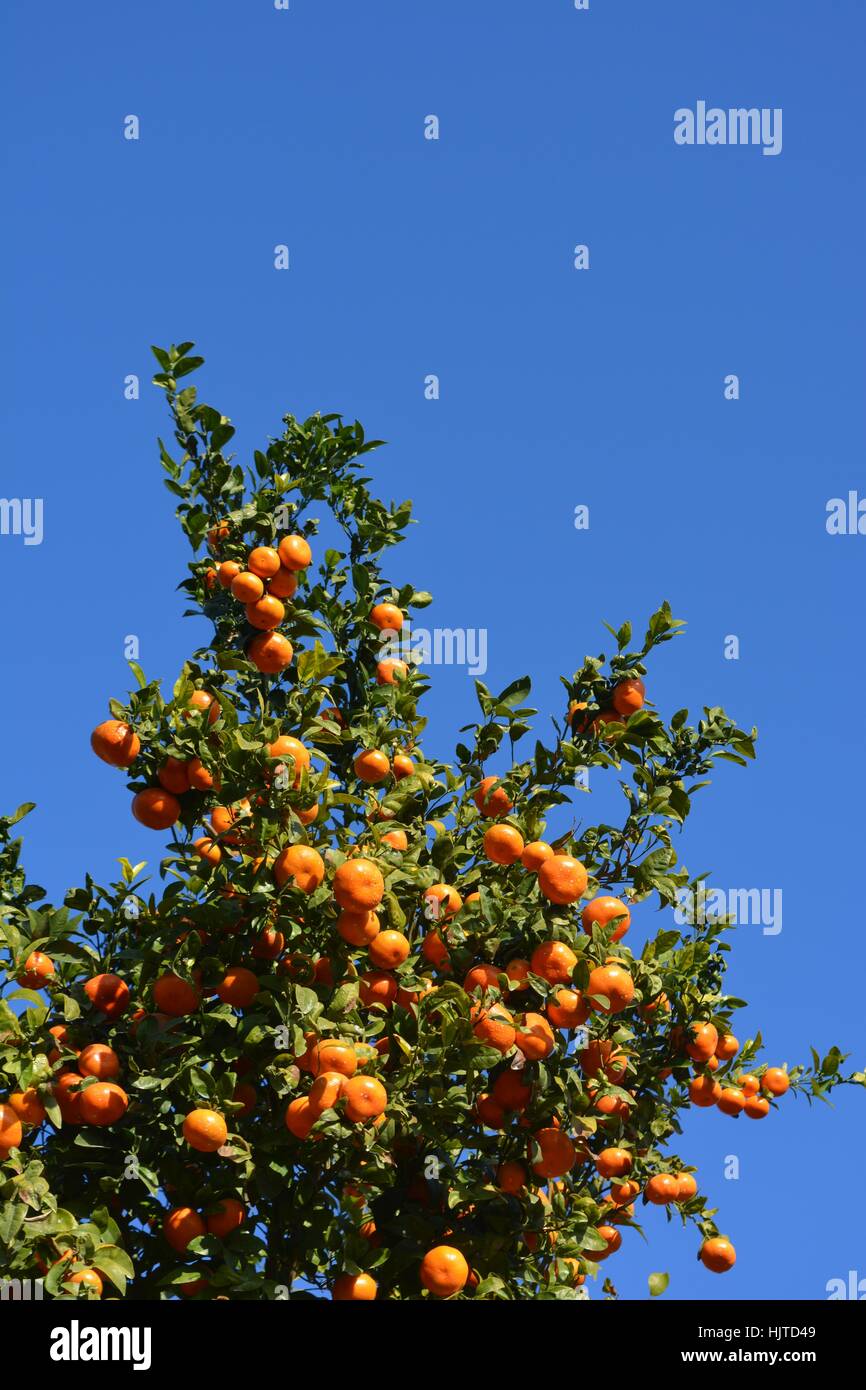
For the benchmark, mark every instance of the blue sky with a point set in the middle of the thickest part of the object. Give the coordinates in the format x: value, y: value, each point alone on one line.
x: 557, y: 388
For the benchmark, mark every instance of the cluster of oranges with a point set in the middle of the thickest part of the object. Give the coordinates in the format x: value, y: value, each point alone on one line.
x: 270, y: 577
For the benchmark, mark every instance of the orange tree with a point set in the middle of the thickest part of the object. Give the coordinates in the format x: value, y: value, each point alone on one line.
x: 374, y: 1036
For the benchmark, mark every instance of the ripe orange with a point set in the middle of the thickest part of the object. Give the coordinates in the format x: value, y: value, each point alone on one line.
x: 300, y: 1117
x: 156, y: 808
x: 358, y: 884
x: 775, y: 1080
x: 492, y: 803
x: 115, y: 743
x: 622, y: 1193
x: 325, y: 1091
x: 265, y: 613
x: 27, y: 1106
x: 402, y: 766
x: 89, y: 1278
x: 391, y: 671
x: 613, y: 1163
x: 615, y: 984
x: 687, y: 1187
x: 371, y: 766
x: 333, y: 1055
x: 703, y: 1040
x: 568, y: 1009
x: 397, y: 839
x: 718, y: 1255
x: 104, y: 1103
x: 226, y: 572
x: 283, y: 584
x: 180, y: 1226
x: 201, y: 700
x: 208, y: 850
x: 246, y: 587
x: 173, y: 776
x: 175, y: 997
x: 727, y: 1047
x: 108, y: 993
x: 288, y: 747
x: 662, y: 1189
x: 490, y: 1113
x: 446, y: 899
x: 263, y: 561
x: 377, y: 987
x: 270, y: 652
x: 67, y: 1092
x: 434, y: 950
x: 602, y: 1055
x: 444, y: 1271
x: 534, y: 855
x: 749, y: 1085
x: 303, y: 865
x: 511, y: 1177
x: 756, y: 1107
x: 358, y: 928
x: 295, y: 553
x: 731, y: 1101
x: 601, y: 911
x: 510, y: 1090
x: 228, y: 1215
x: 100, y: 1061
x: 503, y: 844
x: 238, y: 987
x: 704, y: 1091
x: 11, y: 1131
x: 628, y: 696
x: 558, y: 1154
x: 365, y: 1098
x: 355, y: 1288
x: 535, y: 1037
x: 494, y: 1026
x: 613, y: 1239
x: 517, y: 971
x: 554, y: 961
x: 205, y: 1130
x: 387, y: 617
x: 200, y: 777
x: 562, y: 879
x: 482, y: 977
x: 37, y: 969
x: 389, y: 949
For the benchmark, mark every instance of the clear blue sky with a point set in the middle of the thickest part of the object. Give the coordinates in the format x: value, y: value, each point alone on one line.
x: 558, y: 387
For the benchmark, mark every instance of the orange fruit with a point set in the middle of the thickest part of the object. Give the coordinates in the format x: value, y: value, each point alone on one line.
x: 775, y: 1080
x: 503, y: 844
x: 246, y: 587
x: 495, y: 1027
x: 300, y: 1117
x: 567, y: 1009
x: 490, y: 1113
x: 446, y: 899
x: 391, y: 671
x: 511, y: 1177
x: 283, y: 584
x: 89, y: 1279
x: 601, y: 911
x: 371, y: 766
x: 180, y: 1226
x: 387, y: 617
x: 11, y: 1131
x: 613, y: 1163
x: 601, y: 1055
x: 104, y: 1103
x: 325, y: 1091
x: 27, y: 1106
x: 175, y: 997
x: 100, y: 1061
x: 553, y: 961
x: 402, y: 766
x: 265, y: 614
x: 444, y: 1271
x: 662, y: 1189
x: 482, y: 977
x: 37, y: 969
x: 396, y: 839
x: 358, y: 884
x: 358, y: 928
x: 510, y: 1090
x: 355, y: 1288
x: 226, y: 572
x: 156, y: 808
x: 562, y: 879
x: 333, y: 1055
x: 492, y: 803
x: 534, y: 854
x: 263, y: 561
x: 718, y: 1255
x: 756, y: 1107
x: 749, y: 1085
x: 613, y: 1239
x: 238, y: 987
x: 228, y: 1215
x: 208, y: 850
x: 703, y: 1040
x: 108, y: 993
x: 615, y: 984
x: 173, y: 776
x: 687, y: 1187
x: 66, y: 1091
x: 535, y: 1037
x: 731, y: 1100
x: 377, y: 987
x: 365, y: 1098
x: 303, y: 865
x: 115, y: 743
x: 517, y: 971
x: 622, y: 1193
x: 205, y: 1130
x: 389, y: 949
x: 269, y: 944
x: 271, y: 652
x: 288, y: 747
x: 558, y: 1154
x: 295, y: 553
x: 704, y: 1091
x: 727, y: 1047
x: 224, y: 818
x: 201, y: 700
x: 628, y: 696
